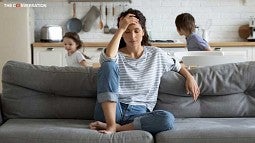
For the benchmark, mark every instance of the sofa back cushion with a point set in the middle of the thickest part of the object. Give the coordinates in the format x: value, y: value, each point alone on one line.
x: 227, y: 90
x: 33, y: 91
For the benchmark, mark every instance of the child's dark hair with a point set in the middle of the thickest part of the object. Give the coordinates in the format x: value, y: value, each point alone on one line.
x: 75, y: 37
x: 142, y: 20
x: 186, y: 22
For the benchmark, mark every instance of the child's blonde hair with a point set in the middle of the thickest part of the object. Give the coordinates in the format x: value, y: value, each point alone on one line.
x: 186, y: 22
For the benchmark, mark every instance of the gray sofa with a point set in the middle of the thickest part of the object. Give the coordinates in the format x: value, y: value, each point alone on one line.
x: 42, y: 104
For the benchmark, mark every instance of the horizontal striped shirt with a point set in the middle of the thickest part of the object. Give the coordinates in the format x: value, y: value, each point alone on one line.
x: 140, y: 78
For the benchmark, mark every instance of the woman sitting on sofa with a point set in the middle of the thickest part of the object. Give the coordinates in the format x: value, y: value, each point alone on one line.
x: 129, y: 78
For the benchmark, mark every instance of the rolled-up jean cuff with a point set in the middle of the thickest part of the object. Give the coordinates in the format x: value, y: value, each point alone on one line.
x: 107, y: 96
x: 137, y: 123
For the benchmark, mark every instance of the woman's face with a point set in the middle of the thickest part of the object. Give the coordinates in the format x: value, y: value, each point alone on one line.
x: 69, y: 45
x: 133, y: 36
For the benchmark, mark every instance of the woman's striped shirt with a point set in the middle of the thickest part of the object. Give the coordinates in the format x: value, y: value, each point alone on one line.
x: 140, y: 78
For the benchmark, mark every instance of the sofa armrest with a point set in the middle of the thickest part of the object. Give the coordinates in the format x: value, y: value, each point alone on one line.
x: 1, y: 117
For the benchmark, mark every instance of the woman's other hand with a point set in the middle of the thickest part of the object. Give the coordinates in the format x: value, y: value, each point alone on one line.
x: 191, y: 84
x: 192, y: 87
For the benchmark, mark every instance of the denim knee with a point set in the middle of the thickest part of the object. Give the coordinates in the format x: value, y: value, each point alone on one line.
x: 154, y: 122
x: 108, y: 68
x: 167, y: 119
x: 108, y: 82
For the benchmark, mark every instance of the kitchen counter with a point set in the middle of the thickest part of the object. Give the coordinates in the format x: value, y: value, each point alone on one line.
x: 157, y: 44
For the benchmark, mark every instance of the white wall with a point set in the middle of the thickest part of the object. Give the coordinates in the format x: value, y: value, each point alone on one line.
x: 226, y: 16
x: 15, y: 38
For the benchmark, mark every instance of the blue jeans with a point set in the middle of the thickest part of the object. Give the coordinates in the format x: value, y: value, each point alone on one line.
x: 142, y: 119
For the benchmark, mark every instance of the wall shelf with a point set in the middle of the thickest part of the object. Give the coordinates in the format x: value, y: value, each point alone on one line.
x: 99, y: 1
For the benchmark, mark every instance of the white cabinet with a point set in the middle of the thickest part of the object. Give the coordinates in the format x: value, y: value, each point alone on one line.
x: 93, y: 53
x: 55, y: 56
x: 250, y: 56
x: 49, y: 56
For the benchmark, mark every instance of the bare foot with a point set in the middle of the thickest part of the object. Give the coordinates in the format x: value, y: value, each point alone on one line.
x: 97, y: 125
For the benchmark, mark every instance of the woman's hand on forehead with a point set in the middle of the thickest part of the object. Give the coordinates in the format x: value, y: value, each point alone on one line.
x: 127, y: 20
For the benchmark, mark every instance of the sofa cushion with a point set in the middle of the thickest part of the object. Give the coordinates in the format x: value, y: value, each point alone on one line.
x: 62, y: 81
x: 64, y: 131
x: 210, y: 130
x: 226, y: 91
x: 31, y: 91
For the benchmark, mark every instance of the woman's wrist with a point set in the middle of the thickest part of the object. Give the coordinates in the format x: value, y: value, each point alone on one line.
x: 121, y: 30
x: 184, y: 72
